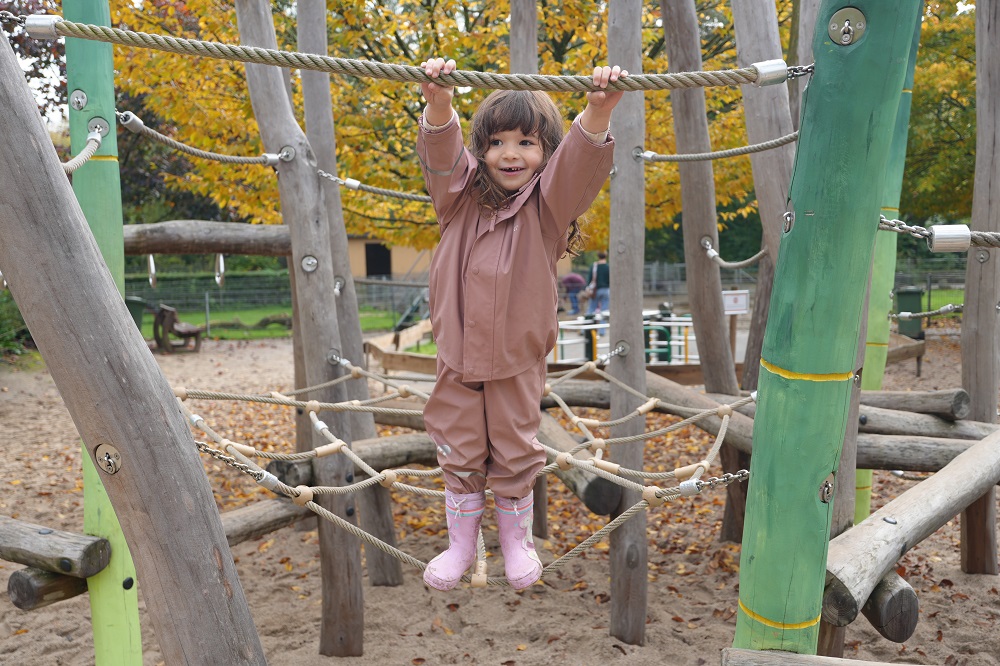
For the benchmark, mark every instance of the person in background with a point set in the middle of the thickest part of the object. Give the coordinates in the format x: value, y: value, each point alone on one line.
x: 600, y: 284
x: 573, y: 283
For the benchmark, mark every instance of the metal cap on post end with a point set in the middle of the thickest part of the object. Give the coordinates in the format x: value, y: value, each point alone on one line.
x: 949, y: 238
x: 42, y: 26
x: 770, y: 72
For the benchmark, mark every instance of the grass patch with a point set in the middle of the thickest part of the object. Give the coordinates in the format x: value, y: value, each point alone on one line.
x: 260, y: 323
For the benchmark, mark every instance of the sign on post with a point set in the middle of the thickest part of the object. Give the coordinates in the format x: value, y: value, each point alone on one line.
x: 736, y: 302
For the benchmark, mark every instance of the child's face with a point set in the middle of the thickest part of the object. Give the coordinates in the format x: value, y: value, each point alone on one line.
x: 513, y: 158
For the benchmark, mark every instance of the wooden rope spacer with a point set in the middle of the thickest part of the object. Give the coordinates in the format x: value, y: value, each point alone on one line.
x: 563, y: 461
x: 313, y: 406
x: 686, y: 472
x: 390, y: 478
x: 181, y: 392
x: 245, y: 449
x: 329, y: 449
x: 404, y: 391
x: 598, y: 445
x: 305, y: 495
x: 724, y: 410
x: 479, y: 578
x: 648, y: 406
x: 649, y: 494
x: 606, y: 465
x: 356, y: 373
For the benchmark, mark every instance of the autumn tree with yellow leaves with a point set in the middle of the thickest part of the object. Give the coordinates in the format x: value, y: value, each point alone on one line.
x: 205, y: 102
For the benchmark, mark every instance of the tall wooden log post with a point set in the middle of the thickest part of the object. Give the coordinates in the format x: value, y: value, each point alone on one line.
x: 884, y: 266
x: 980, y: 338
x: 524, y: 60
x: 376, y: 502
x: 304, y: 210
x: 817, y: 304
x: 698, y: 218
x: 625, y: 251
x: 114, y: 606
x: 800, y: 51
x: 757, y: 40
x: 117, y: 396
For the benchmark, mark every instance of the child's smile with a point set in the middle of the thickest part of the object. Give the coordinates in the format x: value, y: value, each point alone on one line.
x: 512, y: 158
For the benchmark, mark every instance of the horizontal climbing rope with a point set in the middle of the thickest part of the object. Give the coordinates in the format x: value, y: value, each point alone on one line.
x: 239, y: 456
x: 650, y: 156
x: 352, y: 184
x: 943, y: 237
x: 134, y: 124
x: 943, y: 310
x: 714, y: 256
x: 89, y: 150
x: 40, y: 26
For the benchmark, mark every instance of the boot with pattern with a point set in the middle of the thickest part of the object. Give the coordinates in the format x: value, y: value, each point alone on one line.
x: 465, y: 513
x: 514, y: 517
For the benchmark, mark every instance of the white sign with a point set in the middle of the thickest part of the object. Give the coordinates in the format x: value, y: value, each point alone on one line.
x: 736, y: 302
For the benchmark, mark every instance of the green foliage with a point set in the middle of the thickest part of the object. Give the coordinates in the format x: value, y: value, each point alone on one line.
x: 13, y: 333
x: 941, y: 150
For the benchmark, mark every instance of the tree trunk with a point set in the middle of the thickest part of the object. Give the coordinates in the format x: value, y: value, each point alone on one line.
x: 980, y: 339
x: 79, y: 321
x: 305, y: 212
x: 625, y: 252
x: 376, y: 502
x: 683, y: 41
x: 805, y: 398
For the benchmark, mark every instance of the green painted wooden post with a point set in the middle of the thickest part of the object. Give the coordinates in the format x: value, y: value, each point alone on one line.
x: 884, y: 266
x: 114, y: 605
x: 821, y: 278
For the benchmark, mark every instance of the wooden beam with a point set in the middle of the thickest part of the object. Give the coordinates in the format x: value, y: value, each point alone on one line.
x: 893, y: 608
x: 31, y: 588
x: 206, y: 237
x: 859, y: 558
x: 117, y: 396
x: 77, y: 555
x: 948, y: 403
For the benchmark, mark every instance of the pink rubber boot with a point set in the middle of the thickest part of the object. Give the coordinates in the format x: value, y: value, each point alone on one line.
x: 519, y: 557
x: 465, y: 513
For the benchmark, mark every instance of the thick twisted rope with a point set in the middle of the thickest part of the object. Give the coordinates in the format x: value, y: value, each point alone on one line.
x: 714, y: 255
x: 93, y: 145
x: 134, y: 124
x: 403, y: 73
x: 650, y: 156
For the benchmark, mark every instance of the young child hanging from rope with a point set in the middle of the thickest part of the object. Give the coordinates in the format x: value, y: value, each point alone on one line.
x: 507, y: 208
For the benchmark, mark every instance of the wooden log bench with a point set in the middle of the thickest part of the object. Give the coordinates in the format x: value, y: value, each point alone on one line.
x: 167, y: 324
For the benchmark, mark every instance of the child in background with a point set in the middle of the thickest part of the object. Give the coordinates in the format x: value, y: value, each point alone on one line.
x: 507, y: 208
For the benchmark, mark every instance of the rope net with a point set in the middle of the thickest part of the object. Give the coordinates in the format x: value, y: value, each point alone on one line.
x: 590, y: 455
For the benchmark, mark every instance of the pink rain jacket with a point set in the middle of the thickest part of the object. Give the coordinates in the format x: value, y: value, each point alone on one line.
x: 493, y: 297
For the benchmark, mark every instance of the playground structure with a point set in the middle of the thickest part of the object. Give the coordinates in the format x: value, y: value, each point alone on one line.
x: 784, y: 377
